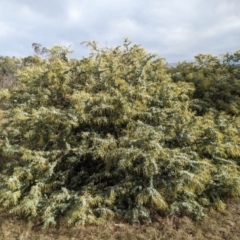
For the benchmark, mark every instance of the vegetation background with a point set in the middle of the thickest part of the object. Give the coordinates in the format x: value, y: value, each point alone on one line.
x: 119, y: 137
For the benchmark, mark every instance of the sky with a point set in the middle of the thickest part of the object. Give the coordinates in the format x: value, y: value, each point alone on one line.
x: 176, y: 30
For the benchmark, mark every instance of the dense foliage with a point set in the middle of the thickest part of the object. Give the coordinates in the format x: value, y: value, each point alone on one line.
x: 120, y: 134
x: 216, y: 82
x: 8, y: 68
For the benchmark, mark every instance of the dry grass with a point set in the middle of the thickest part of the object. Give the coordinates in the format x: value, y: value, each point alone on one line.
x: 220, y: 225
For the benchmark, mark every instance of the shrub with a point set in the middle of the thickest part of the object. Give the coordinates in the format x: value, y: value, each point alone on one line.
x: 112, y: 135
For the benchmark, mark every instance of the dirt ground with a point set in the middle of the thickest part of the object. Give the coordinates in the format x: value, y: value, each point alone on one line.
x: 219, y: 225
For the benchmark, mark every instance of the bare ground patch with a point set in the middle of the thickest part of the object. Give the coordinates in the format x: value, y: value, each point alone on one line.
x: 219, y: 225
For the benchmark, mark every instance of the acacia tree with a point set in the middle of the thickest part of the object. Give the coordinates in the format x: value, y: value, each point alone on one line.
x: 8, y: 68
x: 217, y: 82
x: 111, y: 135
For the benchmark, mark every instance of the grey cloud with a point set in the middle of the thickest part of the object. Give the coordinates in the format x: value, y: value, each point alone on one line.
x: 176, y: 30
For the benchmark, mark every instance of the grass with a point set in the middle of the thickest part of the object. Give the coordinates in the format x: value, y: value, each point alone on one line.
x: 219, y: 225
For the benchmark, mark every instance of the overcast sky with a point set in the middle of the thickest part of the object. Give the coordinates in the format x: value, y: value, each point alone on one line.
x: 176, y: 30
